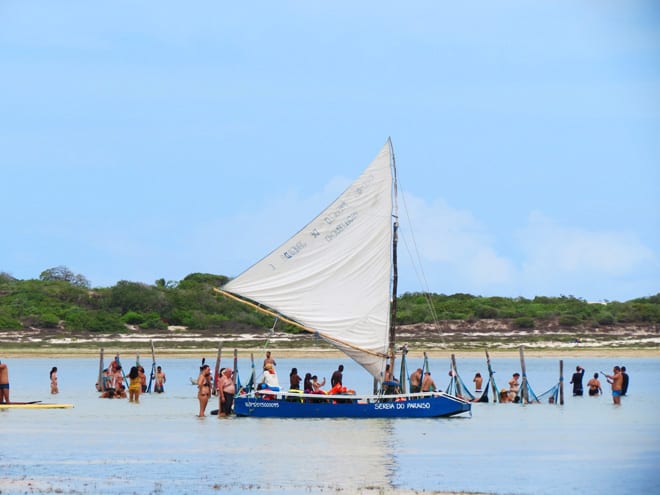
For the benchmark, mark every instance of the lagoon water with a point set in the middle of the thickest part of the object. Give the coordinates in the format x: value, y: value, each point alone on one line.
x: 159, y: 446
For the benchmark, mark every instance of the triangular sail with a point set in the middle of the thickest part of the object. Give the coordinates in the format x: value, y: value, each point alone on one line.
x: 334, y: 277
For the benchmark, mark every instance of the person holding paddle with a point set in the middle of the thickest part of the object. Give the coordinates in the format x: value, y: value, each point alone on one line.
x: 616, y: 380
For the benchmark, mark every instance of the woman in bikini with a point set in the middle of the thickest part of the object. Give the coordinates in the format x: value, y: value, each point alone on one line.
x: 204, y: 388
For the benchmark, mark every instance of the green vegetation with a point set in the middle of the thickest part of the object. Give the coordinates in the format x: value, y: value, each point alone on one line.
x: 60, y: 299
x: 569, y: 311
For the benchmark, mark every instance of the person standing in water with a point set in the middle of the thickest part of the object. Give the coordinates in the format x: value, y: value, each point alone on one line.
x: 134, y: 385
x: 616, y: 380
x: 576, y: 380
x: 4, y: 383
x: 478, y: 381
x: 159, y: 386
x: 203, y: 388
x: 53, y: 381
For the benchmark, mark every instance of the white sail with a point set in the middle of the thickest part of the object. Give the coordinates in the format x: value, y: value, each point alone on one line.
x: 334, y: 276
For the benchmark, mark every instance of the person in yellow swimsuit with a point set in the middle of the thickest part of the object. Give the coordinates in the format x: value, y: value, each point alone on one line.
x: 134, y: 385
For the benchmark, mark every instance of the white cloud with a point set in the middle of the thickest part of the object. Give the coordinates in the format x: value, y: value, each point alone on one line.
x: 550, y: 248
x: 455, y: 248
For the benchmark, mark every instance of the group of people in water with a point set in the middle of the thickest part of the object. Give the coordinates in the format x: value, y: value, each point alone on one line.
x: 114, y: 380
x: 224, y: 385
x: 618, y: 380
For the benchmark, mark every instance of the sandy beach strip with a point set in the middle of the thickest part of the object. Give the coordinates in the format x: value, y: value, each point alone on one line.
x: 317, y: 353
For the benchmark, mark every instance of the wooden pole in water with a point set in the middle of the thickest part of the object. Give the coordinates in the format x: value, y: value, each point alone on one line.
x: 216, y: 372
x: 253, y: 376
x: 561, y: 382
x: 491, y: 378
x: 152, y: 375
x: 454, y: 376
x: 524, y: 397
x: 235, y: 367
x: 100, y: 386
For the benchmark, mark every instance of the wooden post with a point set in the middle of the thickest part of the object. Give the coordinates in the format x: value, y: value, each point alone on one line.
x: 561, y: 382
x: 216, y: 373
x: 454, y: 377
x: 100, y: 385
x: 153, y: 366
x: 491, y: 378
x: 253, y: 376
x: 524, y: 396
x: 235, y: 367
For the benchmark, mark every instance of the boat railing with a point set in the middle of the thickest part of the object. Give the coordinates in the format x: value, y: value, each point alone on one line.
x: 346, y: 397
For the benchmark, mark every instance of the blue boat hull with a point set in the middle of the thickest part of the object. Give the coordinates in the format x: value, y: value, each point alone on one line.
x: 426, y: 407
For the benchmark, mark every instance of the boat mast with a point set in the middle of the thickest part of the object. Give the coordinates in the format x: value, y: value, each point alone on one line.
x: 395, y: 239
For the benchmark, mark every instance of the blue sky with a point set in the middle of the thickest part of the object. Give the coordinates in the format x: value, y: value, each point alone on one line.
x: 147, y: 140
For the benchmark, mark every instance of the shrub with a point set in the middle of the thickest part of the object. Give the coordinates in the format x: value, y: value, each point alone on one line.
x: 569, y: 320
x: 524, y: 322
x: 132, y: 318
x: 606, y: 319
x: 486, y: 312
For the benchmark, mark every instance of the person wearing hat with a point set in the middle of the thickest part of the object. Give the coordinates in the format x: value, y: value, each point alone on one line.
x: 269, y: 379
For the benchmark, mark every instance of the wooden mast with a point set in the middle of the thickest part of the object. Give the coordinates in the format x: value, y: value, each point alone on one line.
x: 395, y: 275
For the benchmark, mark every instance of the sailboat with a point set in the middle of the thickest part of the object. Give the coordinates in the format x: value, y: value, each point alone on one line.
x: 337, y: 278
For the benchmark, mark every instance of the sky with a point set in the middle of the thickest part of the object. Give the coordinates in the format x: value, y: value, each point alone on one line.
x: 148, y: 140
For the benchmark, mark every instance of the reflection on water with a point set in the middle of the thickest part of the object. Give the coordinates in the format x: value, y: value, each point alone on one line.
x: 159, y: 446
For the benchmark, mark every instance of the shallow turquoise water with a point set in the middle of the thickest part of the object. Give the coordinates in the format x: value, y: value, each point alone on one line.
x: 160, y: 446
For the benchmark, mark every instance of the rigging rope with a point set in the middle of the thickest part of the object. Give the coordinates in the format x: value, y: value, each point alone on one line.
x: 415, y: 260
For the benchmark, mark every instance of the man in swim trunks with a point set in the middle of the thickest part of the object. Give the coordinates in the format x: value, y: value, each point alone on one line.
x: 616, y: 380
x: 4, y: 384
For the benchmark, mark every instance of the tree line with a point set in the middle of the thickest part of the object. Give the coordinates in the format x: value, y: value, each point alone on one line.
x: 60, y: 299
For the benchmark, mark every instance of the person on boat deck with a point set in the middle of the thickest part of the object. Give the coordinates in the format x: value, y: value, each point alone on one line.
x: 269, y: 360
x: 307, y: 383
x: 478, y: 381
x: 514, y: 386
x: 616, y: 380
x: 134, y: 385
x: 226, y: 391
x: 4, y: 383
x: 269, y: 379
x: 53, y: 381
x: 576, y: 380
x: 428, y: 385
x: 159, y: 386
x: 337, y: 376
x: 294, y: 379
x: 316, y: 386
x: 626, y: 379
x: 594, y: 386
x: 390, y: 384
x: 416, y: 381
x: 203, y: 388
x: 143, y: 379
